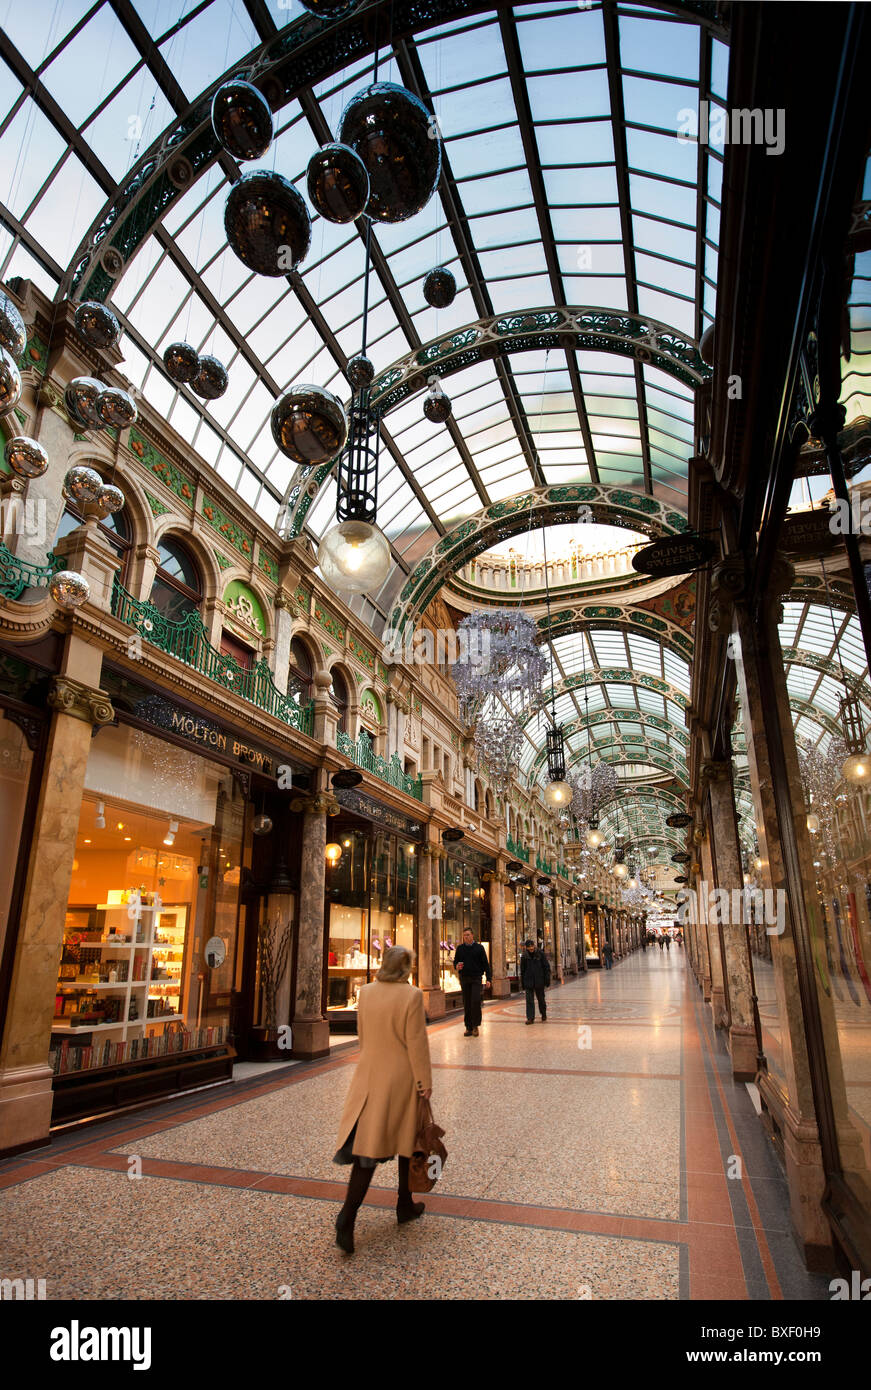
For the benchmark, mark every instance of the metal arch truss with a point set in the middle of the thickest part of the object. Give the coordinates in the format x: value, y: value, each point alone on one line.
x: 543, y: 506
x: 631, y: 741
x: 617, y: 675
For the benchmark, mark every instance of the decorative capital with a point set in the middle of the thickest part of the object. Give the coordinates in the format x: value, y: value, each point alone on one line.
x: 714, y: 770
x: 319, y: 805
x: 285, y: 601
x: 728, y: 578
x: 70, y: 697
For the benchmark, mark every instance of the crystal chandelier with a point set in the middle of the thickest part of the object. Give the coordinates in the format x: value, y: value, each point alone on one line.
x: 498, y: 740
x: 499, y: 657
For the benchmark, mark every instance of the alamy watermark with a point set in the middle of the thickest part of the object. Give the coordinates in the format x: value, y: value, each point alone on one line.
x: 740, y: 126
x: 424, y: 646
x: 24, y: 517
x: 735, y: 907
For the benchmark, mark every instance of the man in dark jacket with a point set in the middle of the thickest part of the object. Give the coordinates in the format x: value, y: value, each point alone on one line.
x: 471, y: 963
x: 534, y: 978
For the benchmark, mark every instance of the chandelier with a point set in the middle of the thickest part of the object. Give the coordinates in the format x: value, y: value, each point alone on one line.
x: 498, y: 740
x: 499, y: 657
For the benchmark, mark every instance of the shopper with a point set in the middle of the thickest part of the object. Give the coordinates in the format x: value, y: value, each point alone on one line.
x: 608, y: 955
x: 380, y: 1114
x: 667, y: 942
x: 471, y: 964
x: 661, y: 942
x: 534, y: 978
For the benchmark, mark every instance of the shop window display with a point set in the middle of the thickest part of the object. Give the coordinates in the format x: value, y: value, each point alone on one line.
x: 371, y: 899
x: 155, y: 880
x: 465, y: 903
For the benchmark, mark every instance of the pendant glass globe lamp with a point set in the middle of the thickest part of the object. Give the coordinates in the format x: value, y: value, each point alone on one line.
x: 355, y: 557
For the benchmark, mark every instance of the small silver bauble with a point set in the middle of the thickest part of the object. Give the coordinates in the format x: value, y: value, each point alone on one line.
x: 211, y: 379
x: 83, y: 484
x: 69, y: 589
x: 242, y: 120
x: 437, y: 406
x: 110, y: 498
x: 97, y: 324
x: 309, y: 424
x: 439, y: 287
x: 10, y: 382
x: 337, y: 182
x: 13, y: 334
x: 26, y: 457
x: 182, y: 362
x: 116, y: 407
x: 360, y: 371
x: 261, y: 825
x: 81, y: 398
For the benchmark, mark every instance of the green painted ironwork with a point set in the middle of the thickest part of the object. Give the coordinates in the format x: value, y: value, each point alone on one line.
x: 516, y: 849
x: 17, y: 575
x: 187, y: 642
x: 543, y: 865
x: 387, y: 769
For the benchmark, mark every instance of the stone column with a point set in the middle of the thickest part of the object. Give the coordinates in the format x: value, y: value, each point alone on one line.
x: 326, y: 716
x: 25, y: 1075
x: 283, y: 631
x: 311, y: 1031
x: 726, y: 864
x: 429, y: 928
x: 144, y: 564
x: 501, y: 984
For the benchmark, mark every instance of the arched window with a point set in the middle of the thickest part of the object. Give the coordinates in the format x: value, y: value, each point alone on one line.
x: 300, y: 672
x: 177, y: 589
x: 339, y: 697
x: 114, y: 530
x: 477, y: 795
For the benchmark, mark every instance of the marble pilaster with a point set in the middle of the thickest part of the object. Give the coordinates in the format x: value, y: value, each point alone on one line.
x: 712, y: 930
x: 311, y: 1031
x: 283, y: 632
x: 429, y: 928
x: 501, y: 987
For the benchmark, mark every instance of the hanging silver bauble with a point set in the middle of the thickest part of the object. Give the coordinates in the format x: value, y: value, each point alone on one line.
x: 360, y: 371
x: 116, y: 407
x: 439, y: 287
x: 309, y: 424
x: 267, y: 223
x: 110, y: 498
x: 83, y: 484
x: 398, y: 141
x: 80, y: 398
x: 13, y: 334
x: 437, y: 405
x: 242, y: 120
x: 261, y: 825
x: 69, y: 589
x: 338, y: 184
x: 10, y: 382
x: 182, y: 362
x: 706, y: 346
x: 211, y: 379
x: 97, y: 324
x: 26, y: 457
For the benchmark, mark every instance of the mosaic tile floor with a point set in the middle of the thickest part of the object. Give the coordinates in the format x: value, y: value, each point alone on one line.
x: 586, y: 1160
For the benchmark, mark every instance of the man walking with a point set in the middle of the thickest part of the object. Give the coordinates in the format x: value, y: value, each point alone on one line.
x: 534, y: 978
x: 471, y: 963
x: 608, y: 954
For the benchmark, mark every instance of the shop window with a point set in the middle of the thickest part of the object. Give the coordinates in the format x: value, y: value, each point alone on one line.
x: 300, y: 684
x: 339, y: 698
x: 231, y: 646
x: 113, y: 529
x: 177, y: 589
x: 149, y: 959
x: 371, y: 898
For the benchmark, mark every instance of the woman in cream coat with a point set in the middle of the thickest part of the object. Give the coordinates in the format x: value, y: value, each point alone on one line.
x: 380, y: 1115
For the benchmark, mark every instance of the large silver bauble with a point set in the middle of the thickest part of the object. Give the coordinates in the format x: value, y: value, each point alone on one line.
x: 10, y: 382
x: 69, y: 589
x: 437, y: 406
x: 309, y: 425
x: 81, y: 398
x: 360, y: 371
x: 211, y: 379
x: 83, y: 484
x: 267, y: 223
x: 338, y: 183
x: 242, y: 120
x: 13, y: 334
x: 115, y: 407
x: 110, y: 498
x: 97, y: 324
x: 398, y: 142
x: 26, y: 457
x: 439, y: 287
x: 182, y: 362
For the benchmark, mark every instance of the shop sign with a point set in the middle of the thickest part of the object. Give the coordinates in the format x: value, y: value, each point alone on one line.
x: 809, y: 535
x: 382, y: 816
x: 678, y: 820
x: 206, y: 734
x: 673, y: 555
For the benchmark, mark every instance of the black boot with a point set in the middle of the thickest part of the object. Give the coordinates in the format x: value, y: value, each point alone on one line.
x: 406, y: 1208
x: 358, y: 1186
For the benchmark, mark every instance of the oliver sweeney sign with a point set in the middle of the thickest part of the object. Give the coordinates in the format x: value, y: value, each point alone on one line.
x: 673, y: 555
x: 381, y: 815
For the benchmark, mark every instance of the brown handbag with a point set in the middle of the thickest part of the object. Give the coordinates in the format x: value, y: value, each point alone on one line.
x: 428, y: 1159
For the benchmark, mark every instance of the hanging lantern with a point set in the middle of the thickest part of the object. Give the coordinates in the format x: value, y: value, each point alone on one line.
x: 242, y: 120
x: 80, y: 398
x: 309, y: 425
x: 436, y: 406
x: 110, y: 498
x: 26, y: 457
x: 116, y: 407
x: 857, y: 766
x: 10, y: 383
x: 83, y: 485
x: 360, y: 372
x: 398, y: 141
x: 439, y: 287
x: 595, y: 838
x: 332, y: 853
x: 13, y: 334
x: 97, y: 324
x: 69, y: 589
x: 338, y: 184
x: 182, y: 362
x: 267, y: 223
x: 354, y: 557
x: 558, y: 792
x: 620, y: 870
x: 211, y: 379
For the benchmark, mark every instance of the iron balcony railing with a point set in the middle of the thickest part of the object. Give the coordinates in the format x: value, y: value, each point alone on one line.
x: 187, y: 641
x: 517, y: 850
x: 388, y: 770
x: 17, y: 575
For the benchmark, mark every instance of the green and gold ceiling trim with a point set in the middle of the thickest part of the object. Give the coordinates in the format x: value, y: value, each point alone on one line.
x: 157, y: 507
x: 233, y: 533
x: 176, y: 479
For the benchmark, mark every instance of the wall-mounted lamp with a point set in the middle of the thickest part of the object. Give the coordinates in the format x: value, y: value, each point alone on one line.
x: 100, y: 818
x: 333, y: 854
